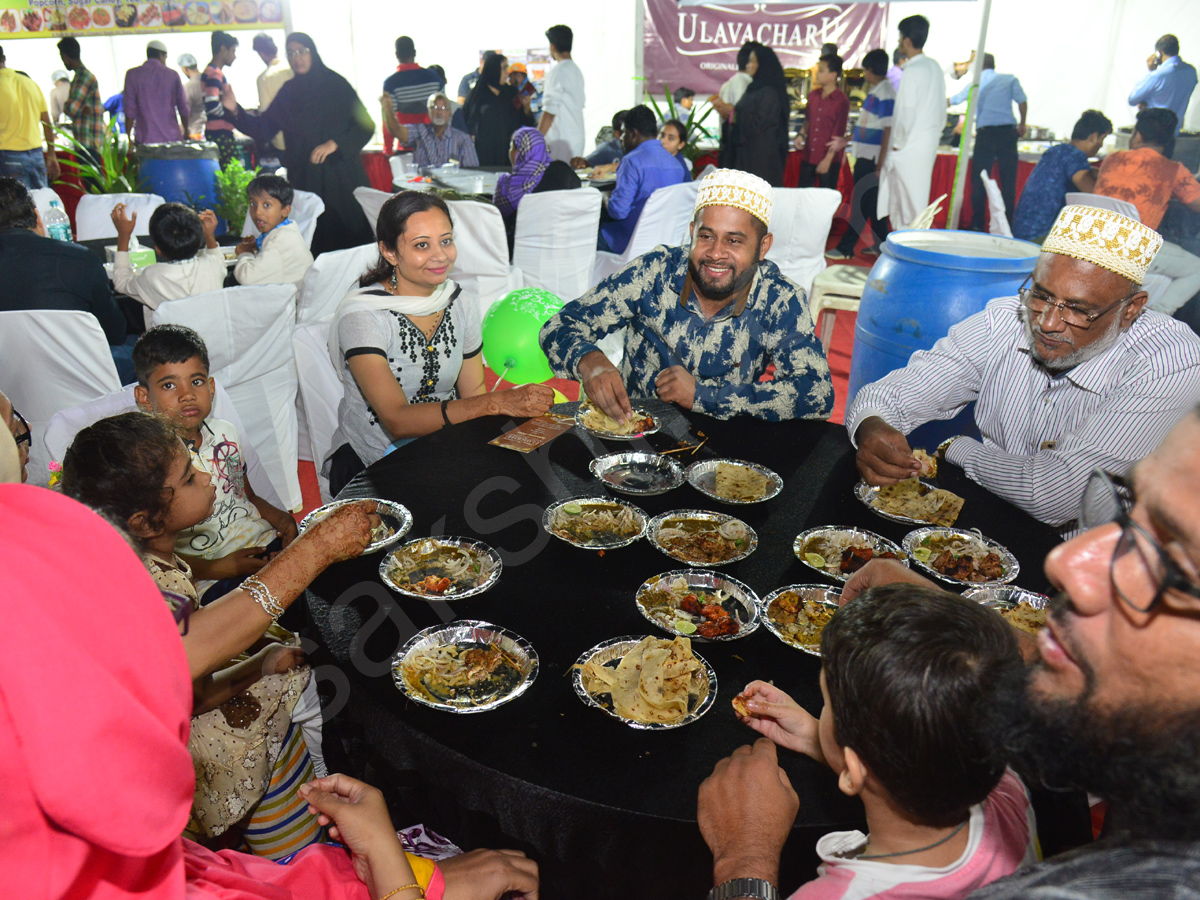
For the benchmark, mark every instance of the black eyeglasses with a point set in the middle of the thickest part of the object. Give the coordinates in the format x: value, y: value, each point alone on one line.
x: 1040, y: 303
x: 181, y: 609
x: 1150, y: 570
x: 26, y: 437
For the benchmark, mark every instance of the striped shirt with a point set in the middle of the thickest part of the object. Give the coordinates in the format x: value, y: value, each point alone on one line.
x: 726, y: 354
x: 219, y: 118
x: 1042, y: 433
x: 876, y: 115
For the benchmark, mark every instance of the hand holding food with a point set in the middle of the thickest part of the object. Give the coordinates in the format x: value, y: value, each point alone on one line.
x: 880, y: 572
x: 884, y: 456
x: 357, y: 816
x: 776, y: 716
x: 343, y: 534
x: 245, y: 245
x: 208, y: 221
x: 604, y: 386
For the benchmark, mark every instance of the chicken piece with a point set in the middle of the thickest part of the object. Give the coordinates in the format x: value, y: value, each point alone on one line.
x: 854, y: 558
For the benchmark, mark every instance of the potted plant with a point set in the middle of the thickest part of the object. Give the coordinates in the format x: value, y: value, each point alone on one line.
x: 116, y: 171
x: 231, y: 202
x: 693, y: 124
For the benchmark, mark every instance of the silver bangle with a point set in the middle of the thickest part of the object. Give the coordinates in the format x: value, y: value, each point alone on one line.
x: 261, y: 594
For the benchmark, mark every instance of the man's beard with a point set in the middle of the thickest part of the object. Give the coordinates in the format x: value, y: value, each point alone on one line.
x: 712, y: 291
x: 1144, y: 760
x: 1076, y: 357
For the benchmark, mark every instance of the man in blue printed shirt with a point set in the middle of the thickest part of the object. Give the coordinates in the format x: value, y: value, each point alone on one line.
x: 1170, y: 82
x: 645, y: 168
x: 996, y: 133
x: 703, y: 322
x: 1062, y: 168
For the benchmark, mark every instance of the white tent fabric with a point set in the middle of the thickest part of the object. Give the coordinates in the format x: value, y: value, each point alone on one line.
x: 67, y: 423
x: 93, y: 214
x: 306, y: 209
x: 332, y: 276
x: 371, y: 202
x: 664, y: 220
x: 482, y: 267
x: 800, y: 224
x: 51, y: 360
x: 248, y: 331
x: 555, y: 245
x: 320, y: 393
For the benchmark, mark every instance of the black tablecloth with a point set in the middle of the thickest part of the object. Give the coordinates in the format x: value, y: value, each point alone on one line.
x: 605, y: 809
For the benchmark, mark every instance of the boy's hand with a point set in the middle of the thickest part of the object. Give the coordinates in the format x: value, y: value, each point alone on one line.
x: 775, y: 715
x: 241, y: 563
x: 208, y: 221
x: 286, y: 528
x: 282, y: 659
x: 246, y: 245
x: 124, y: 225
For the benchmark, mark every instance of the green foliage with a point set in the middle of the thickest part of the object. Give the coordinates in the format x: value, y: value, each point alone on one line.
x: 695, y: 130
x: 231, y: 202
x: 117, y: 168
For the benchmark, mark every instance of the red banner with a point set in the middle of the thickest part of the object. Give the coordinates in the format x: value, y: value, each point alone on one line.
x: 696, y: 46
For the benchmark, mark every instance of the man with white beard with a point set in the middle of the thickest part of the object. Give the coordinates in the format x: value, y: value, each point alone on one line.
x: 436, y: 143
x: 1071, y: 375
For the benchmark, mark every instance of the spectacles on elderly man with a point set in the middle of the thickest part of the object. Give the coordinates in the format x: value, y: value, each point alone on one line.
x: 1039, y: 303
x: 1140, y: 566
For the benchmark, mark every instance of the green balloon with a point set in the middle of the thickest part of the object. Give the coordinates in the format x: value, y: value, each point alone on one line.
x: 510, y: 335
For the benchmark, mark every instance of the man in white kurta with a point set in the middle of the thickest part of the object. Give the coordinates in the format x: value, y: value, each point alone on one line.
x: 919, y: 117
x: 563, y: 99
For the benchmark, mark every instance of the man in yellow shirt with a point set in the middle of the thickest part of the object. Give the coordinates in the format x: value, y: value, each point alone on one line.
x: 22, y: 109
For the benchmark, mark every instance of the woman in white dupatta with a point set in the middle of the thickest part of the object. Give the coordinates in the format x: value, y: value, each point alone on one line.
x: 407, y: 344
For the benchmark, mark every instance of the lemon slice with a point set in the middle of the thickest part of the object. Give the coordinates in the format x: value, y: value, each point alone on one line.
x: 685, y: 626
x: 924, y: 554
x: 572, y: 509
x: 815, y: 559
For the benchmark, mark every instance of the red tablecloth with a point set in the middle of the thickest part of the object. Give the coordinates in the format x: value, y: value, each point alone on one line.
x: 943, y: 183
x: 791, y: 176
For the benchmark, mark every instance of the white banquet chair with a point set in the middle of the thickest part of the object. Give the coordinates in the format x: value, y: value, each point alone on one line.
x: 306, y: 209
x: 482, y: 267
x: 43, y: 197
x: 320, y: 393
x: 92, y: 215
x: 800, y: 223
x: 664, y: 220
x: 555, y: 246
x: 371, y: 200
x: 67, y: 423
x: 51, y: 360
x: 332, y: 276
x: 248, y: 331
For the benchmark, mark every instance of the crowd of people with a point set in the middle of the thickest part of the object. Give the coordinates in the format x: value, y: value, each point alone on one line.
x: 206, y: 731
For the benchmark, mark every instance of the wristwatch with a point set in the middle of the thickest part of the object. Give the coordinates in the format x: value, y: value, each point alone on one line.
x: 940, y: 452
x: 755, y: 888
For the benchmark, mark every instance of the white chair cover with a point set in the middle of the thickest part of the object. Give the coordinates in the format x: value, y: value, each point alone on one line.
x: 800, y: 223
x: 555, y: 244
x: 332, y: 276
x: 998, y: 213
x: 664, y: 220
x: 51, y: 360
x: 1124, y: 207
x: 320, y: 393
x: 482, y: 268
x: 248, y: 331
x: 371, y: 202
x: 306, y: 209
x: 92, y: 215
x: 67, y: 423
x: 42, y: 198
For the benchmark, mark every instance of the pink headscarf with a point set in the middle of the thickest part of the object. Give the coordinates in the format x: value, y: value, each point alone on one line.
x: 95, y: 704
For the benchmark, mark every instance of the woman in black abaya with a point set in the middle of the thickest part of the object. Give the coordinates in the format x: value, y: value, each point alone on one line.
x: 325, y: 127
x: 760, y: 121
x: 494, y: 112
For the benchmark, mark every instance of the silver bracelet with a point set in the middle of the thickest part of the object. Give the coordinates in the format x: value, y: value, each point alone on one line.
x: 261, y: 594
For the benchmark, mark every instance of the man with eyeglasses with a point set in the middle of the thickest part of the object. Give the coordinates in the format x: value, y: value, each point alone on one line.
x: 19, y: 429
x: 434, y: 144
x: 1071, y: 375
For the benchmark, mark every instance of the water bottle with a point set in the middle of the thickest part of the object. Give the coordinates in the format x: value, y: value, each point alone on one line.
x: 58, y: 226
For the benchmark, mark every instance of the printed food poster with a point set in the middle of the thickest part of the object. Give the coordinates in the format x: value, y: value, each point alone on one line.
x: 46, y: 18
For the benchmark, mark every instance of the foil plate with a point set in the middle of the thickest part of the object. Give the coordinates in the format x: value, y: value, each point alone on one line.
x: 866, y: 493
x: 646, y: 474
x: 703, y: 477
x: 700, y: 697
x: 551, y: 514
x: 819, y: 592
x: 716, y: 518
x: 394, y: 515
x: 468, y: 633
x: 656, y: 424
x: 912, y: 540
x: 477, y: 549
x: 745, y: 601
x: 878, y: 543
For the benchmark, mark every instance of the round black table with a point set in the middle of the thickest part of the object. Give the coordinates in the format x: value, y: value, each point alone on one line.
x: 605, y: 809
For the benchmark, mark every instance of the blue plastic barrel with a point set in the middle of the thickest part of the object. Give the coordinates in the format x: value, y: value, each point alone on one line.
x: 183, y: 172
x: 923, y: 283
